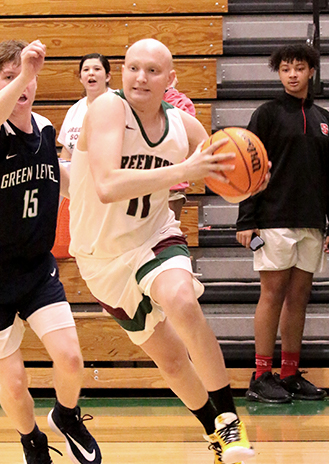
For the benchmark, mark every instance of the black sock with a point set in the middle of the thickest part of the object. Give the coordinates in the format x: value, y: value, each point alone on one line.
x: 223, y: 400
x: 207, y: 415
x: 32, y: 435
x: 64, y: 410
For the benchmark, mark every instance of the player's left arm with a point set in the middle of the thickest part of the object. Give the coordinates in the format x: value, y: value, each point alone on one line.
x: 195, y: 131
x: 32, y: 59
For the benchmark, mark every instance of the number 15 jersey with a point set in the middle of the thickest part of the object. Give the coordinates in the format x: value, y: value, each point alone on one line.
x: 29, y: 193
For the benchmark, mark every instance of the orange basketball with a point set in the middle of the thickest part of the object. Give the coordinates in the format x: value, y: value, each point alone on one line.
x: 251, y: 163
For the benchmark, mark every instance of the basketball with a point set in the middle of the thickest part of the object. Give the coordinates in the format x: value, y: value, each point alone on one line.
x: 251, y: 164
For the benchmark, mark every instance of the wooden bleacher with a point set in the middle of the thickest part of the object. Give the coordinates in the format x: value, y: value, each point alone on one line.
x: 101, y: 340
x: 59, y: 80
x: 193, y: 32
x: 67, y: 37
x: 115, y: 7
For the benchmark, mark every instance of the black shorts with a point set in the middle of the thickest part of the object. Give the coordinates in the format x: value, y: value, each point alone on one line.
x: 48, y: 290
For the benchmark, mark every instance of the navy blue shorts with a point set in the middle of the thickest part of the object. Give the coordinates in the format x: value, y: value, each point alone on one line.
x: 49, y: 290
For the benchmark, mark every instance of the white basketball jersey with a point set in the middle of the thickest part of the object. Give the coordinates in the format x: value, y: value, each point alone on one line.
x: 108, y: 230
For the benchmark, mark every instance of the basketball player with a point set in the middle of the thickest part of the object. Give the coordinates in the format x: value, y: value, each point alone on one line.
x: 290, y: 216
x: 129, y: 247
x: 29, y: 285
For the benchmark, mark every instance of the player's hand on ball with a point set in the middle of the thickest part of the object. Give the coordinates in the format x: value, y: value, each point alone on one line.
x: 251, y: 164
x: 207, y: 163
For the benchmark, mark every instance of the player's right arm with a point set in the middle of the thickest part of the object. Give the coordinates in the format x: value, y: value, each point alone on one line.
x: 32, y: 59
x: 102, y: 137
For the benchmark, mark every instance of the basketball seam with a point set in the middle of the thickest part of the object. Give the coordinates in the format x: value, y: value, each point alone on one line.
x: 246, y: 166
x: 260, y: 149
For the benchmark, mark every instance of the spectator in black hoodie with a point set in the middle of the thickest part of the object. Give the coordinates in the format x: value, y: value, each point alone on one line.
x: 290, y: 216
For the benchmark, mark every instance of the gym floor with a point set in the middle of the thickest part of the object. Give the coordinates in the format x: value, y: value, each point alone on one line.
x: 162, y: 430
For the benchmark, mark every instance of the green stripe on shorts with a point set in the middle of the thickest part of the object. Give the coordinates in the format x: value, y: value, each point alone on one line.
x: 164, y: 255
x: 138, y: 322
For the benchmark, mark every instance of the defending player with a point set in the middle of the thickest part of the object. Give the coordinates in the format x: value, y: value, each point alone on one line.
x: 129, y: 247
x: 29, y: 286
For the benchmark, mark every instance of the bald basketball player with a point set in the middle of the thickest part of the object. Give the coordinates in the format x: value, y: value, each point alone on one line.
x: 129, y: 247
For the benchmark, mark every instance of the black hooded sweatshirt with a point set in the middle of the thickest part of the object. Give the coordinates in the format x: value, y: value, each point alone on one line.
x: 295, y: 133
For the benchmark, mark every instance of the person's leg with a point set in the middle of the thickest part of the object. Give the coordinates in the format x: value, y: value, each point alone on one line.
x: 292, y: 324
x: 15, y: 398
x: 274, y: 285
x: 17, y: 403
x: 54, y: 325
x: 293, y: 313
x: 263, y: 386
x: 292, y: 319
x: 64, y: 349
x: 169, y: 353
x: 173, y: 290
x: 65, y: 419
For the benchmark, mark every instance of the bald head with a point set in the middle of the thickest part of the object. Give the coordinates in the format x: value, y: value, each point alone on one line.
x: 153, y: 47
x: 147, y: 73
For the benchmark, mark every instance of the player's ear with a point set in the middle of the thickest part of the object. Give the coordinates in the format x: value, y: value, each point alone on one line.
x: 172, y: 77
x: 311, y: 73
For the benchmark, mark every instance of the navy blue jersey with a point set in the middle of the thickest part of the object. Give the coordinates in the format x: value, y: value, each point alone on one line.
x: 29, y: 194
